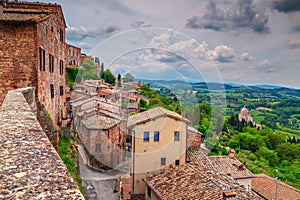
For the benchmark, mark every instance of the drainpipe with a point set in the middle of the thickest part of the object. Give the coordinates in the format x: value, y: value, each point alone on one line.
x: 133, y: 160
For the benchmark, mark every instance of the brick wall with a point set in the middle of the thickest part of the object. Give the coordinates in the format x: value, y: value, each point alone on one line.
x: 20, y: 43
x: 18, y: 58
x: 48, y: 38
x: 73, y: 56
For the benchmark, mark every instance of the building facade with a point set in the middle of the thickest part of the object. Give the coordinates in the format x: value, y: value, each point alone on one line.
x: 158, y: 140
x: 73, y: 56
x: 32, y: 52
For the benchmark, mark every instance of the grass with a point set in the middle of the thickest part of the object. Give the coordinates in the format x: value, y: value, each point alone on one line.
x: 69, y: 158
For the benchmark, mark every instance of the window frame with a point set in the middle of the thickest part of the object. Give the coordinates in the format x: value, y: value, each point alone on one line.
x: 146, y: 139
x: 61, y: 67
x: 61, y: 90
x: 176, y: 138
x: 42, y: 59
x: 163, y: 161
x: 98, y: 147
x: 52, y: 91
x: 51, y: 63
x: 156, y: 133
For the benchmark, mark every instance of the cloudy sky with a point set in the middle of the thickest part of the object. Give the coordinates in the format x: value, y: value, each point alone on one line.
x: 237, y: 41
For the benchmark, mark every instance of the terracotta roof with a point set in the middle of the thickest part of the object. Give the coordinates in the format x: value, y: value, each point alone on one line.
x: 225, y: 164
x: 99, y: 111
x: 151, y: 114
x: 266, y: 187
x: 27, y: 8
x: 100, y: 122
x: 190, y: 128
x: 21, y: 17
x: 188, y: 182
x: 132, y: 105
x: 230, y: 166
x: 198, y: 156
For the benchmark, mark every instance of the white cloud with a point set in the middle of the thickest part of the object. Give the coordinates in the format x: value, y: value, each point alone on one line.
x: 266, y: 66
x: 222, y: 53
x: 294, y: 43
x: 246, y: 57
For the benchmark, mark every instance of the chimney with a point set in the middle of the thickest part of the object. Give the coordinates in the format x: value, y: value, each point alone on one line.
x: 229, y: 195
x: 231, y: 155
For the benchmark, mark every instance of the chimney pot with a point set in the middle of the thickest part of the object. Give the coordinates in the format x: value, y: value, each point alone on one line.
x: 231, y: 155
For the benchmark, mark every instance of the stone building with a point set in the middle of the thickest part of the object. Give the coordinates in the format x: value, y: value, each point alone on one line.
x: 191, y: 182
x: 159, y: 139
x: 33, y: 52
x: 73, y: 56
x: 244, y: 115
x: 226, y: 164
x: 101, y: 129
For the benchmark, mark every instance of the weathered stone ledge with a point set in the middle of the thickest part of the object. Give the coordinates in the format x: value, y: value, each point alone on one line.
x: 30, y: 168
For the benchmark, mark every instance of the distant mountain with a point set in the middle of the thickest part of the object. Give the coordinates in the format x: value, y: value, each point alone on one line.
x: 210, y: 85
x: 267, y: 86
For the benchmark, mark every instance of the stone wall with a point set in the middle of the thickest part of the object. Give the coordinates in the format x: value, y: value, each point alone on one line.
x: 23, y: 34
x: 73, y: 56
x: 49, y: 39
x: 30, y: 168
x: 18, y: 57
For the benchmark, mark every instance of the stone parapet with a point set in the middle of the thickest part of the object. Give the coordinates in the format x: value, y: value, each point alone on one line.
x: 30, y: 168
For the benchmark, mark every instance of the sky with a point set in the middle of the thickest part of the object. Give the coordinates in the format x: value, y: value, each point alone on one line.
x: 250, y: 42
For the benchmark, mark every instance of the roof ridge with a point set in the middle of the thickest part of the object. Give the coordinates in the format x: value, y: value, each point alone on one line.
x: 280, y: 182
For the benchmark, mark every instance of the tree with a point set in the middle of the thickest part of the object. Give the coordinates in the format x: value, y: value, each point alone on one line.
x: 143, y: 105
x: 109, y: 77
x: 269, y: 155
x: 119, y: 80
x: 128, y: 78
x: 101, y: 70
x: 155, y: 101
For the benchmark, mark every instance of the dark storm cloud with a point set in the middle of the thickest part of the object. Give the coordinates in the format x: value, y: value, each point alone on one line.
x: 80, y: 33
x: 139, y: 24
x: 242, y: 14
x: 286, y: 5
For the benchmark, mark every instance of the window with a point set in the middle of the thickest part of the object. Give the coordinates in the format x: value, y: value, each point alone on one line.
x: 51, y: 63
x: 149, y: 191
x: 52, y: 90
x: 61, y: 67
x: 42, y: 59
x: 162, y: 161
x: 177, y: 162
x: 98, y: 147
x: 61, y: 90
x: 61, y: 35
x: 146, y: 136
x: 156, y: 136
x: 176, y: 136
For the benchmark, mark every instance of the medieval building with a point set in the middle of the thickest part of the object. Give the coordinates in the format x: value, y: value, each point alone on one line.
x: 33, y: 52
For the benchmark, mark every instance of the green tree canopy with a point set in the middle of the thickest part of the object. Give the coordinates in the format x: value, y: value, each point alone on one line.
x: 128, y: 78
x: 109, y: 77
